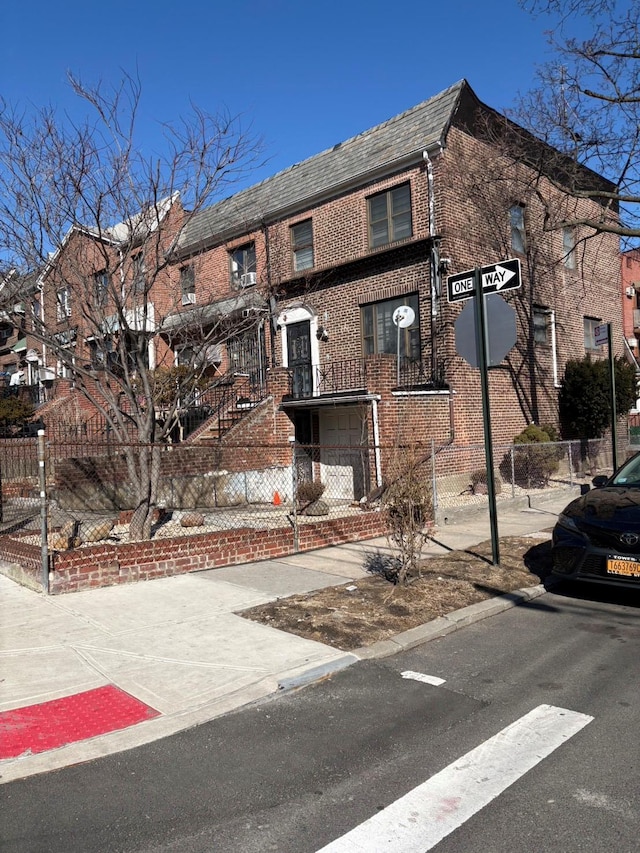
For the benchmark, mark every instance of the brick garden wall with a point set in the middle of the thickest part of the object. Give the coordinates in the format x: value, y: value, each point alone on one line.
x: 109, y: 564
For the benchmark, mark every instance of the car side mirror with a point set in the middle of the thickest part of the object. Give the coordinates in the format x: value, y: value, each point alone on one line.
x: 584, y: 488
x: 600, y: 480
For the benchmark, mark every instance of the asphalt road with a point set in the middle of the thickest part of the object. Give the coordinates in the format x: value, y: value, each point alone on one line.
x: 294, y: 773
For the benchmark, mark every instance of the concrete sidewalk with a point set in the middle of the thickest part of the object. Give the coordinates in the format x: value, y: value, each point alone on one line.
x: 177, y: 645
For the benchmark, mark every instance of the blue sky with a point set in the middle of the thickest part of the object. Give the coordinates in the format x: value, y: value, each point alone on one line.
x: 304, y: 76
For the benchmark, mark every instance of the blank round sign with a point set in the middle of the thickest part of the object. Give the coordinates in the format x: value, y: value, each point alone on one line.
x: 403, y: 316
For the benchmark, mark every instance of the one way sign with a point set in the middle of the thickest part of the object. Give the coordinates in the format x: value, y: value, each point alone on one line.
x: 495, y: 279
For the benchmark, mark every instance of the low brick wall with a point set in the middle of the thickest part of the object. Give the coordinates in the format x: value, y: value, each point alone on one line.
x: 107, y: 564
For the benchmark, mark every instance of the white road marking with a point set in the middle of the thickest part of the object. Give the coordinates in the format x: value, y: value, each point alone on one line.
x: 418, y: 821
x: 420, y: 676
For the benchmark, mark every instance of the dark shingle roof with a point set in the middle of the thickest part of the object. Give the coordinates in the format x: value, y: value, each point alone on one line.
x: 345, y: 164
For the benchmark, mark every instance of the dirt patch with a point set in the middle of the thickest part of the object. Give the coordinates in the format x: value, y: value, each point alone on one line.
x: 362, y: 612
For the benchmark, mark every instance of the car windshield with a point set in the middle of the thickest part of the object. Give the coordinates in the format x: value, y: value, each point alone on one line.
x: 629, y: 474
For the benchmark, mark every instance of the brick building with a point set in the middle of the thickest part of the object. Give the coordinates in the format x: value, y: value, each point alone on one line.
x: 287, y: 292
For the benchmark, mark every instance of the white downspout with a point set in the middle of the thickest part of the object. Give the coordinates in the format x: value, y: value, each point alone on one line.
x: 376, y: 442
x: 554, y: 351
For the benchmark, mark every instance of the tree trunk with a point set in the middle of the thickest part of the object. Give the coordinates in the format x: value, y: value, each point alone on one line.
x: 145, y: 460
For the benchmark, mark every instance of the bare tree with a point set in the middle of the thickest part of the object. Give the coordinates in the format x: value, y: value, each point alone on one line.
x: 586, y: 104
x: 96, y: 218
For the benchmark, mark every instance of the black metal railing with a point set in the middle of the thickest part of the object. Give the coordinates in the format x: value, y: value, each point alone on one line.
x: 337, y: 377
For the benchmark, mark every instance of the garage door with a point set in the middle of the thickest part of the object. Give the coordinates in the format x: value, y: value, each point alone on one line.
x: 343, y: 453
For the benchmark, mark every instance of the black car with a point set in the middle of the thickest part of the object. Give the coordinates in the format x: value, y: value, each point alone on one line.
x: 597, y: 536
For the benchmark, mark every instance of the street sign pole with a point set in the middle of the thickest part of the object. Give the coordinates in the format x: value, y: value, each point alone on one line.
x: 614, y: 414
x: 481, y: 343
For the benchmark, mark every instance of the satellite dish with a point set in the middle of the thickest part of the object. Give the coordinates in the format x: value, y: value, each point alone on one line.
x: 403, y: 316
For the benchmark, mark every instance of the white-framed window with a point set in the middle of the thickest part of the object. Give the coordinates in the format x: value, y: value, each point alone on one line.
x: 188, y: 285
x: 569, y: 247
x: 540, y: 322
x: 139, y: 268
x: 590, y: 324
x: 380, y: 333
x: 242, y: 264
x: 302, y: 245
x: 101, y: 286
x: 518, y: 233
x: 184, y: 356
x: 389, y: 215
x: 63, y: 304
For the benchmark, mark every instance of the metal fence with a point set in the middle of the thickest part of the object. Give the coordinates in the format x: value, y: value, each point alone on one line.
x: 89, y: 495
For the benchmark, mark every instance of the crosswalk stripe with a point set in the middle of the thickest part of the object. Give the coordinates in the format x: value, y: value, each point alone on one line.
x: 418, y: 821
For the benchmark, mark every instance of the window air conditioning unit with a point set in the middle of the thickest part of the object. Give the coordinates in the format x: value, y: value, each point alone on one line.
x: 188, y: 299
x: 247, y: 279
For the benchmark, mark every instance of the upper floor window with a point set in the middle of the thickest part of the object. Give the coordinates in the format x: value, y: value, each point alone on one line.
x: 243, y: 265
x: 569, y: 247
x: 380, y: 333
x: 540, y: 322
x: 390, y: 216
x: 139, y: 273
x: 101, y: 286
x: 518, y: 239
x: 590, y: 324
x: 63, y: 304
x: 188, y: 285
x: 302, y: 245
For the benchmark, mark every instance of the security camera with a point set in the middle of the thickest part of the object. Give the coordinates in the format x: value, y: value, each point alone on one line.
x: 445, y: 264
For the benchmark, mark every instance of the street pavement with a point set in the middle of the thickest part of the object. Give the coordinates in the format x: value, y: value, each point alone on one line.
x: 93, y: 673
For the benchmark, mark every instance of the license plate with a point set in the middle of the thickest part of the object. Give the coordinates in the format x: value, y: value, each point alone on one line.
x: 623, y: 566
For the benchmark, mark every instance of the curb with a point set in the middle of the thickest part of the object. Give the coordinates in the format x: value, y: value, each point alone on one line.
x: 443, y: 625
x: 317, y: 673
x: 438, y: 627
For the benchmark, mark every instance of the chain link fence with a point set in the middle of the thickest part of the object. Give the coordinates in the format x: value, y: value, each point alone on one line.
x: 93, y: 492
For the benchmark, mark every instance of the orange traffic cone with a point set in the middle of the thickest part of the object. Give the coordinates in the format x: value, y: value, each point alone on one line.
x: 277, y: 500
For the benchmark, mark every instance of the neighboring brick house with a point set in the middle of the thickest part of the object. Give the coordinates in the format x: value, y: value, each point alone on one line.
x: 293, y: 283
x: 19, y: 363
x: 98, y: 291
x: 325, y: 252
x: 630, y: 281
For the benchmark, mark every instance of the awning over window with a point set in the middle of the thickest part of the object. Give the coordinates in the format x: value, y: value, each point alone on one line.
x: 206, y: 315
x: 20, y: 346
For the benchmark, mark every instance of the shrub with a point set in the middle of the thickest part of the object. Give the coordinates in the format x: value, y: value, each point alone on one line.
x: 479, y: 479
x: 310, y: 491
x: 534, y: 462
x: 408, y: 504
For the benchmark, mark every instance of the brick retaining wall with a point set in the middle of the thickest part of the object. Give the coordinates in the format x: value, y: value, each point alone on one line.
x: 108, y: 564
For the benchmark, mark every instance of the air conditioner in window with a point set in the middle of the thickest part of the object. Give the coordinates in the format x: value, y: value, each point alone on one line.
x: 247, y: 279
x: 188, y: 298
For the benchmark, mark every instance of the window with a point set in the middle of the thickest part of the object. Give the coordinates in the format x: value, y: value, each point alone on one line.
x: 390, y: 216
x: 569, y: 247
x: 185, y: 356
x: 63, y: 304
x: 139, y: 273
x: 380, y: 334
x: 243, y: 265
x: 516, y: 215
x: 101, y: 286
x: 101, y: 353
x: 541, y: 325
x: 188, y: 285
x: 302, y: 246
x: 590, y: 324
